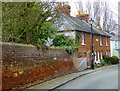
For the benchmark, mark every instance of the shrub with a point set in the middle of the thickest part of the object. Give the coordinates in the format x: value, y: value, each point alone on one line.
x: 103, y: 63
x: 97, y: 65
x: 62, y: 40
x: 69, y: 50
x: 111, y: 60
x: 114, y: 60
x: 65, y: 42
x: 106, y: 59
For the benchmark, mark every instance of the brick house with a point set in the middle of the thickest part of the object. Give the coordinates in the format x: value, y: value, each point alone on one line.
x: 79, y: 27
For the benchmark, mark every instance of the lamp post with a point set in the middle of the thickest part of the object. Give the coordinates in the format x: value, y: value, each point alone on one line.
x: 92, y: 52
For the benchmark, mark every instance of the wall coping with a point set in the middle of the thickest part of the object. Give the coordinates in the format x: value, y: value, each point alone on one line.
x: 29, y: 45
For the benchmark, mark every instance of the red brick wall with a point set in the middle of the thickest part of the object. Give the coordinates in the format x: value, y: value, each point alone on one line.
x: 25, y: 65
x: 87, y: 47
x: 83, y: 17
x: 66, y: 11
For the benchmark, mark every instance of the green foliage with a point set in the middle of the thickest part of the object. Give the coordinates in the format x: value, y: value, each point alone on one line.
x: 103, y: 63
x: 106, y: 58
x: 65, y: 42
x: 114, y: 60
x: 77, y: 42
x: 28, y: 22
x: 62, y: 40
x: 97, y: 65
x: 107, y: 61
x: 68, y: 6
x: 111, y: 60
x: 69, y: 49
x: 46, y: 32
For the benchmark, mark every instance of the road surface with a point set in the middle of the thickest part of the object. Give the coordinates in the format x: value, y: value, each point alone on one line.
x: 106, y: 78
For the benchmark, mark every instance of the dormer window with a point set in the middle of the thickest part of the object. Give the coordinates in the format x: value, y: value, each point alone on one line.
x: 101, y: 41
x: 83, y: 39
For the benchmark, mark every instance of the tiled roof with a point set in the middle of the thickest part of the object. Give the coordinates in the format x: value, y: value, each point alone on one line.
x: 73, y: 23
x: 115, y: 38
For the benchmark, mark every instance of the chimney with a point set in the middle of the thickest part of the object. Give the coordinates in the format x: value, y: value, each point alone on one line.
x: 83, y: 16
x: 64, y: 8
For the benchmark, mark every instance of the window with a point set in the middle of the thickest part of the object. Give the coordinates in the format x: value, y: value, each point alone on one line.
x: 83, y: 39
x: 106, y: 41
x: 115, y: 44
x: 95, y: 55
x: 101, y: 55
x: 98, y: 55
x: 100, y: 40
x: 96, y: 39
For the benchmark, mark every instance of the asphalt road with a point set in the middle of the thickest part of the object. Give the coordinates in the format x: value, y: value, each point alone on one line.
x: 106, y: 78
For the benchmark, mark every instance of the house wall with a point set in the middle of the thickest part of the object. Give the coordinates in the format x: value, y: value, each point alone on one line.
x: 69, y: 33
x: 84, y: 50
x: 115, y: 45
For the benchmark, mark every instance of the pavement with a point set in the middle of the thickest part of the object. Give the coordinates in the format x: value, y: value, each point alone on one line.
x: 106, y: 78
x: 59, y: 81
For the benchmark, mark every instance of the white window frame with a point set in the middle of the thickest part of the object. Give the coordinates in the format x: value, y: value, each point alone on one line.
x: 101, y: 44
x: 98, y: 55
x: 95, y: 56
x: 101, y: 55
x: 83, y: 39
x: 116, y: 44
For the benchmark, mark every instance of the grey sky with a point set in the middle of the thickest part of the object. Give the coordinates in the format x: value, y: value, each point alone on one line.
x: 112, y: 3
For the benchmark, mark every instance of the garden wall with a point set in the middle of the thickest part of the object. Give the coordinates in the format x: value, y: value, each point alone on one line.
x: 26, y: 65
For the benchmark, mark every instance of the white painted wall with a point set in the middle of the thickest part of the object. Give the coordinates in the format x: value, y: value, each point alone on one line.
x: 115, y: 45
x: 70, y: 33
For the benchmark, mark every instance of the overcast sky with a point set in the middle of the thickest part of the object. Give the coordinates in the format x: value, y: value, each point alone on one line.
x: 113, y: 5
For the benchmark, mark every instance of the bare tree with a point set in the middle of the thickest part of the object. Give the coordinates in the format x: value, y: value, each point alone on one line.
x: 98, y: 11
x: 106, y: 16
x: 109, y: 23
x: 79, y: 6
x: 102, y: 15
x: 89, y: 8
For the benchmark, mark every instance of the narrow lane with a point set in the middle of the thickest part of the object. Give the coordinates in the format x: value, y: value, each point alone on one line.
x: 103, y: 79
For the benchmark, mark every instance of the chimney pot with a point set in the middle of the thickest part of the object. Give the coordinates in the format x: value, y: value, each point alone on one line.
x: 83, y: 16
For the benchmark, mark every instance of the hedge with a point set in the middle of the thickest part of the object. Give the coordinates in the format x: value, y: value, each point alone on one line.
x: 111, y: 60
